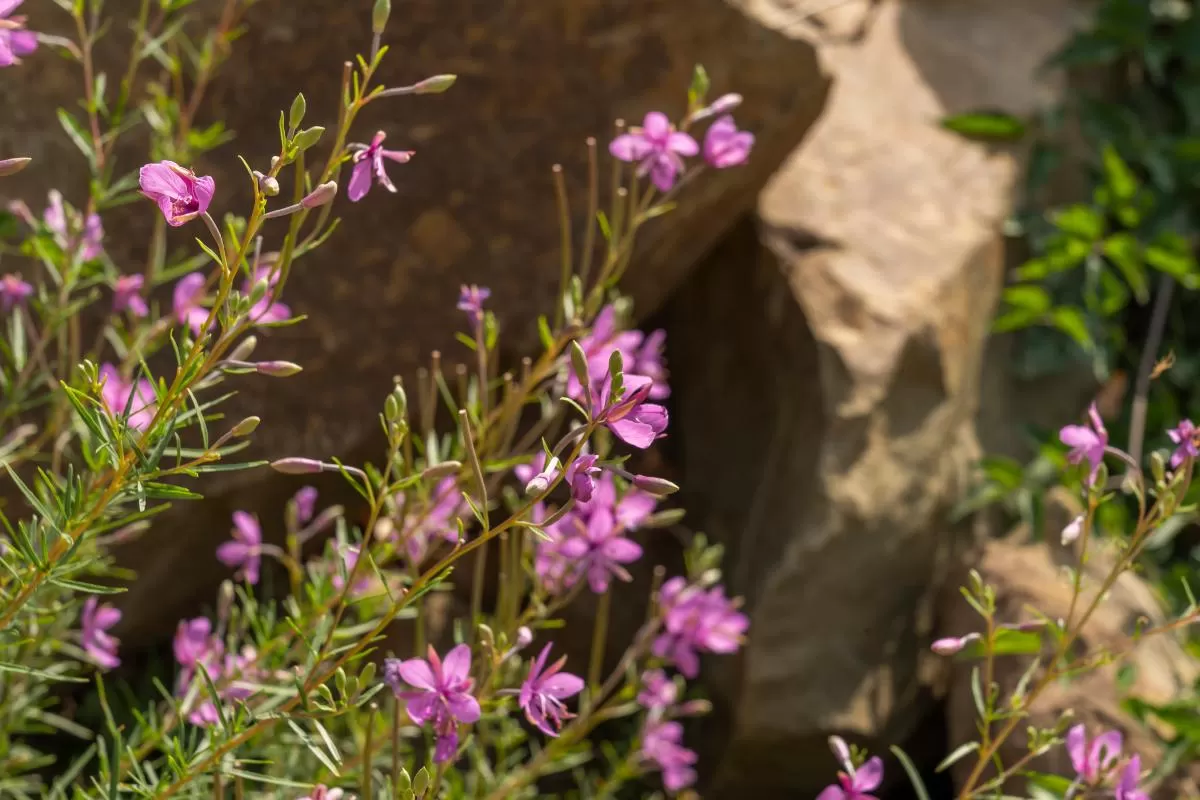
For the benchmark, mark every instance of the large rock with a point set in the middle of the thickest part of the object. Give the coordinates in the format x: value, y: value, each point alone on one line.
x: 475, y: 205
x: 834, y: 362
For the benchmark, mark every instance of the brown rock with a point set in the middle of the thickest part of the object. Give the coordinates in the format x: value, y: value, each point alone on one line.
x: 475, y: 205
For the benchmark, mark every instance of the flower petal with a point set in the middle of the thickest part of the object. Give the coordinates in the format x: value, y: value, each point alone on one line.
x: 246, y: 528
x: 416, y: 672
x: 456, y: 666
x: 869, y: 776
x: 563, y: 685
x: 464, y: 707
x: 360, y: 181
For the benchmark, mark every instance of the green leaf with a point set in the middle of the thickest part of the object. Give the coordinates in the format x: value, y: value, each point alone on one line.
x: 1170, y: 254
x: 544, y: 333
x: 991, y: 126
x: 1125, y: 253
x: 1008, y: 642
x: 38, y: 673
x: 1086, y: 49
x: 1072, y: 322
x: 698, y: 91
x: 78, y: 136
x: 957, y: 755
x: 1119, y: 179
x: 1028, y: 298
x: 1080, y: 220
x: 914, y: 775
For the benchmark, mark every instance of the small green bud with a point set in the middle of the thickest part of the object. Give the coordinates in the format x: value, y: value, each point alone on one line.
x: 421, y: 782
x: 444, y: 469
x: 659, y: 487
x: 579, y: 363
x: 245, y: 427
x: 308, y: 137
x: 339, y: 680
x: 435, y: 85
x: 244, y: 349
x: 367, y: 675
x: 1158, y: 466
x: 296, y: 115
x: 379, y: 16
x: 403, y: 781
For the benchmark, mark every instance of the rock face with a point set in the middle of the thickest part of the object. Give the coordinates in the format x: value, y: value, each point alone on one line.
x: 475, y: 205
x: 833, y: 361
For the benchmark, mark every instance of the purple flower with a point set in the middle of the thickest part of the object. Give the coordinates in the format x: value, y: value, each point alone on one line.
x: 369, y: 159
x: 439, y: 520
x: 305, y: 503
x: 349, y: 554
x: 581, y: 475
x: 320, y: 792
x: 471, y: 299
x: 726, y: 146
x: 657, y: 147
x: 599, y: 549
x: 641, y: 355
x: 1092, y: 763
x: 1127, y: 786
x: 65, y: 225
x: 188, y: 293
x: 245, y: 549
x: 658, y: 691
x: 194, y: 643
x: 442, y: 694
x: 181, y: 196
x: 118, y: 394
x: 1087, y: 443
x: 858, y: 785
x: 662, y: 744
x: 1185, y: 435
x: 266, y: 310
x: 15, y: 41
x: 127, y: 295
x: 99, y: 645
x: 630, y: 417
x: 13, y: 292
x: 631, y: 510
x: 696, y: 621
x: 544, y: 690
x: 550, y: 564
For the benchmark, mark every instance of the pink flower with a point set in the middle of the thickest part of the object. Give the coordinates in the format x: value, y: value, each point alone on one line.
x: 15, y: 41
x: 349, y: 555
x: 127, y: 295
x: 1127, y: 786
x: 1092, y: 763
x: 118, y: 394
x: 321, y: 792
x: 697, y: 621
x: 368, y: 160
x: 471, y: 300
x: 97, y: 643
x: 180, y: 194
x: 641, y: 355
x: 581, y: 474
x: 544, y: 690
x: 658, y: 148
x: 1185, y: 435
x: 245, y: 549
x: 194, y: 643
x: 13, y: 292
x: 69, y: 232
x: 726, y: 146
x: 858, y: 785
x: 662, y: 744
x: 1086, y: 443
x: 442, y: 694
x: 658, y: 691
x: 599, y: 549
x: 305, y: 503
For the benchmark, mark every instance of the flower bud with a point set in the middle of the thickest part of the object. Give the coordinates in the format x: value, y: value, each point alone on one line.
x: 725, y: 103
x: 379, y: 16
x: 579, y: 363
x: 539, y: 483
x: 396, y: 405
x: 11, y: 166
x: 841, y: 751
x: 259, y: 290
x: 244, y: 348
x: 694, y: 708
x: 1072, y: 531
x: 435, y: 85
x: 267, y: 185
x: 524, y: 637
x: 277, y: 369
x: 274, y: 162
x: 320, y: 196
x: 225, y: 600
x: 297, y: 466
x: 245, y: 427
x: 445, y: 469
x: 421, y: 782
x: 659, y: 487
x: 953, y: 644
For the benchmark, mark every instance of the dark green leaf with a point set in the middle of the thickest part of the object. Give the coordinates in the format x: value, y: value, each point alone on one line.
x: 991, y: 126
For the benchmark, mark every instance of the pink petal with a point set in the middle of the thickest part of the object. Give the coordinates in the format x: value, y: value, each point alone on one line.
x: 869, y: 776
x: 360, y: 181
x: 456, y: 666
x: 416, y: 672
x: 420, y: 706
x: 8, y: 6
x: 160, y: 180
x: 623, y: 551
x: 1078, y: 436
x: 563, y: 685
x: 381, y: 174
x: 232, y: 553
x: 634, y: 434
x: 630, y: 147
x: 23, y: 43
x: 203, y: 190
x: 1105, y: 750
x: 1077, y: 748
x: 106, y: 617
x: 656, y: 126
x: 248, y: 528
x: 464, y: 707
x: 683, y: 144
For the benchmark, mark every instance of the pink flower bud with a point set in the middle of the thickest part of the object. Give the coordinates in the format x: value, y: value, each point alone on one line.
x: 11, y: 166
x: 1072, y: 531
x: 277, y: 369
x: 297, y: 466
x: 953, y: 644
x: 320, y: 196
x: 659, y: 487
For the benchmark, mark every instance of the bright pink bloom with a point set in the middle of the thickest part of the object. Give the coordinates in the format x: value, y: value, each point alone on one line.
x: 641, y: 355
x: 544, y: 690
x: 180, y: 194
x: 13, y: 292
x: 632, y: 419
x: 581, y: 474
x: 127, y: 295
x: 1185, y: 436
x: 856, y: 786
x: 368, y: 160
x: 321, y: 792
x: 726, y: 146
x: 697, y: 621
x: 599, y: 549
x: 194, y: 643
x: 657, y: 147
x: 244, y: 551
x: 305, y: 503
x: 99, y: 645
x: 471, y: 299
x: 1127, y: 786
x: 662, y: 744
x: 188, y: 294
x: 15, y: 41
x: 658, y: 691
x: 119, y: 394
x: 442, y: 694
x: 1087, y: 443
x: 1092, y: 763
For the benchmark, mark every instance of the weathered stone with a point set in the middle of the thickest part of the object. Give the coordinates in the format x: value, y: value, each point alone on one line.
x: 842, y: 358
x: 475, y: 204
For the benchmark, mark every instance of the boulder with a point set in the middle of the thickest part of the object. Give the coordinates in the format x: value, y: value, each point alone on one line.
x: 831, y: 351
x: 475, y: 205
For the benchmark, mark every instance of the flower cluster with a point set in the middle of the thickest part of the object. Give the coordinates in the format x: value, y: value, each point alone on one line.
x: 1096, y: 763
x: 15, y: 41
x: 659, y: 149
x: 198, y: 647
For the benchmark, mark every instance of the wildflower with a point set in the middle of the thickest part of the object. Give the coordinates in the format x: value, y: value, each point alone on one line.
x: 349, y: 554
x: 321, y: 792
x: 658, y: 148
x: 856, y: 785
x: 1184, y: 434
x: 13, y: 291
x: 439, y: 520
x: 544, y: 690
x: 696, y: 621
x: 369, y: 159
x: 662, y: 744
x: 180, y: 194
x: 66, y: 228
x: 127, y: 295
x: 658, y: 691
x: 244, y: 551
x: 539, y: 483
x: 119, y: 394
x: 641, y: 355
x: 265, y: 309
x: 1087, y: 443
x: 188, y: 293
x: 1072, y: 530
x: 305, y: 503
x: 726, y: 146
x: 632, y: 419
x: 1127, y: 785
x: 599, y: 549
x: 630, y: 511
x: 99, y: 645
x: 471, y: 299
x: 1092, y: 763
x: 15, y: 41
x: 442, y: 694
x: 952, y: 645
x: 581, y: 475
x: 551, y: 565
x: 195, y: 644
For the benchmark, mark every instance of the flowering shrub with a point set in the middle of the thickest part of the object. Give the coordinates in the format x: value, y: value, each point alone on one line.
x: 290, y: 697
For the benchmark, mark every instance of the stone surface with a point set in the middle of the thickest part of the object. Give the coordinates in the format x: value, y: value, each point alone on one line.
x: 835, y: 367
x: 1032, y: 576
x: 475, y: 204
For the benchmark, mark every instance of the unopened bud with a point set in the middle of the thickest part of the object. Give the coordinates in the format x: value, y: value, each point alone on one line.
x: 245, y: 427
x: 277, y: 369
x: 379, y: 16
x: 435, y: 85
x: 297, y: 466
x: 725, y: 103
x: 579, y: 363
x: 694, y: 708
x: 1072, y: 531
x: 225, y: 600
x: 266, y: 184
x: 11, y: 166
x: 953, y: 644
x: 841, y: 751
x: 539, y: 483
x: 320, y: 196
x: 244, y: 349
x: 524, y: 637
x: 259, y: 290
x: 659, y: 487
x: 308, y: 137
x: 396, y: 406
x: 443, y: 470
x: 421, y: 782
x: 274, y: 162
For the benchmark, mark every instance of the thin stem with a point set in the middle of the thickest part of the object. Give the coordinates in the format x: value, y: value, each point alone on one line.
x: 599, y: 637
x: 1158, y: 322
x: 564, y: 226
